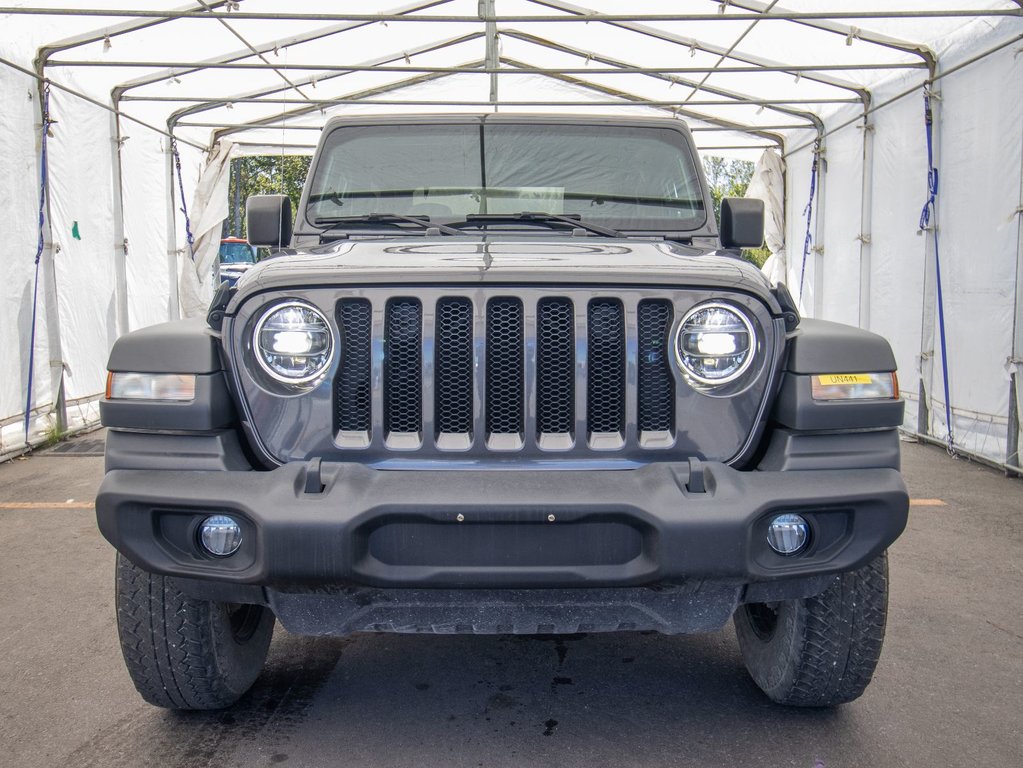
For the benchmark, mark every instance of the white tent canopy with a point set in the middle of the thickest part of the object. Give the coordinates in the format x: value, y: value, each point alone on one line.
x: 836, y: 90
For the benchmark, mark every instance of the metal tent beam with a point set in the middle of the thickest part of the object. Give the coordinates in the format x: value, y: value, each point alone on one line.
x: 730, y: 102
x: 731, y: 49
x: 107, y: 33
x: 618, y: 65
x: 848, y: 32
x: 621, y: 98
x: 487, y: 9
x: 175, y: 70
x: 358, y: 97
x: 183, y: 67
x: 810, y: 73
x: 370, y: 66
x: 692, y: 129
x: 525, y: 18
x: 260, y: 55
x: 626, y: 98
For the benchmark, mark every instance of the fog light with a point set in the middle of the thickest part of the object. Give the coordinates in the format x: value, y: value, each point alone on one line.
x: 787, y: 534
x: 220, y: 535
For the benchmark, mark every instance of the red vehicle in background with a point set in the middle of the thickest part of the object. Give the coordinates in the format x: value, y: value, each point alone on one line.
x: 235, y: 257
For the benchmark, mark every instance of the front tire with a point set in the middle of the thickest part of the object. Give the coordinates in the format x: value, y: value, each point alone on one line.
x: 183, y: 653
x: 818, y: 651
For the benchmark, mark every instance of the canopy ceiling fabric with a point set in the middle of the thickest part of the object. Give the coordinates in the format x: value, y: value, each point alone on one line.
x: 743, y: 73
x: 836, y: 86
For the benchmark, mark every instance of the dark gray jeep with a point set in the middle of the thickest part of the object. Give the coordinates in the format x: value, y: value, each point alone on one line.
x: 507, y: 378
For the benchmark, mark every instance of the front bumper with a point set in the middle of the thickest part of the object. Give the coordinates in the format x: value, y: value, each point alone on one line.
x: 486, y: 529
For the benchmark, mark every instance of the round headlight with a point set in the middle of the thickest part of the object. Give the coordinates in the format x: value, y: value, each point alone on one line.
x: 293, y: 343
x: 715, y: 343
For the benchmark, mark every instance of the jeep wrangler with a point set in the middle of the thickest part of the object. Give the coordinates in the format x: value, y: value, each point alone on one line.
x: 505, y: 374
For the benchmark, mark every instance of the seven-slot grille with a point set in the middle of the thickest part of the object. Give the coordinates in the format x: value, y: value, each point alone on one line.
x: 499, y: 372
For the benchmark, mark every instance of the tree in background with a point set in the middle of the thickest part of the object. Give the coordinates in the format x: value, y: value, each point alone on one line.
x: 731, y: 178
x: 263, y: 175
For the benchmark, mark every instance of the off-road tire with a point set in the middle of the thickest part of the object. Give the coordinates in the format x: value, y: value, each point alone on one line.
x: 818, y: 651
x: 184, y: 653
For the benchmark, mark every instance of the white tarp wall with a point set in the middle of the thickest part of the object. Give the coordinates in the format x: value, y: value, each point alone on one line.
x: 92, y: 288
x: 888, y: 283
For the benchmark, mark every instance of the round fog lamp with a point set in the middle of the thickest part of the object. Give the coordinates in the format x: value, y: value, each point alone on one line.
x: 787, y: 534
x: 220, y: 535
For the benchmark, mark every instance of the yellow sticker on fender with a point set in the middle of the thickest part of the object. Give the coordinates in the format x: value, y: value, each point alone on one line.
x: 844, y: 378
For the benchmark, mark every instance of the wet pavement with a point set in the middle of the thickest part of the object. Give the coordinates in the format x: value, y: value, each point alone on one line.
x: 948, y: 690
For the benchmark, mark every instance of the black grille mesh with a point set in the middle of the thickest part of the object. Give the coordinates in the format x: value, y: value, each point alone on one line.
x: 605, y: 386
x: 403, y: 376
x: 453, y: 368
x: 656, y: 411
x: 452, y: 353
x: 555, y: 366
x: 354, y: 316
x: 504, y: 366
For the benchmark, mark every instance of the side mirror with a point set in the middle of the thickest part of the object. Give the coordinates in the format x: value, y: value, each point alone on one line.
x: 742, y: 222
x: 268, y: 220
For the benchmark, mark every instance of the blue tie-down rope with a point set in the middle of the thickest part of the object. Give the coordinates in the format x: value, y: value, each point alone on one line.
x: 46, y: 123
x: 925, y: 224
x: 184, y: 205
x: 808, y: 212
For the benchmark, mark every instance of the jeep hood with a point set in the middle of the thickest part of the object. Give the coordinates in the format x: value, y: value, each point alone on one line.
x: 510, y: 260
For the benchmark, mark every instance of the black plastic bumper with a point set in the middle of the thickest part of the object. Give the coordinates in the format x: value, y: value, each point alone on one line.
x: 351, y: 524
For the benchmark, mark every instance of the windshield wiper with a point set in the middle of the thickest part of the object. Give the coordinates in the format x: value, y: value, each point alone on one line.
x: 573, y: 219
x: 383, y: 218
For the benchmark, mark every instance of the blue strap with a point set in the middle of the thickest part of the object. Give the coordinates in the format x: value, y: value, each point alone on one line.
x: 46, y: 123
x: 925, y: 220
x: 184, y: 205
x: 932, y: 172
x: 808, y: 212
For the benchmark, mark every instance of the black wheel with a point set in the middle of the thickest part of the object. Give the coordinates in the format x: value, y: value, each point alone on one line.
x: 818, y: 651
x: 184, y: 653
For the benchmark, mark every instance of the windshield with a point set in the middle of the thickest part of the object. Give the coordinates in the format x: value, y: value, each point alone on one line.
x: 627, y: 177
x: 236, y: 253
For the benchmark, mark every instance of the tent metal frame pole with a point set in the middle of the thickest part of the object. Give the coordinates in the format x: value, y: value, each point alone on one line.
x: 735, y: 44
x: 866, y: 214
x: 174, y: 299
x: 928, y: 306
x: 260, y: 55
x: 624, y: 99
x: 692, y: 128
x: 120, y: 244
x: 759, y: 62
x: 1012, y: 457
x: 936, y: 77
x: 42, y: 80
x: 357, y: 97
x: 487, y: 9
x: 482, y: 103
x: 44, y: 53
x: 629, y: 99
x: 50, y: 301
x: 309, y: 37
x: 950, y: 13
x: 820, y: 211
x: 178, y: 68
x: 849, y: 32
x: 274, y: 144
x: 619, y: 66
x: 391, y: 57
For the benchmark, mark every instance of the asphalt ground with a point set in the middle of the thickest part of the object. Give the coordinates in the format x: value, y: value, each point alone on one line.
x: 948, y: 690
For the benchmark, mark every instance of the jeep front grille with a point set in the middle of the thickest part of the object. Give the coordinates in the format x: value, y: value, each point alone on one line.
x: 498, y: 372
